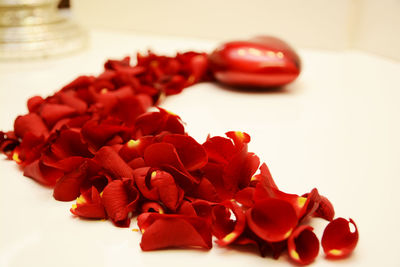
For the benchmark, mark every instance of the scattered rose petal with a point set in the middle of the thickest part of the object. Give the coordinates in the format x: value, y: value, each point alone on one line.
x: 340, y: 238
x: 120, y: 199
x: 224, y: 228
x: 32, y: 123
x: 167, y: 230
x: 89, y: 205
x: 303, y: 245
x: 109, y: 159
x: 272, y: 219
x: 191, y: 153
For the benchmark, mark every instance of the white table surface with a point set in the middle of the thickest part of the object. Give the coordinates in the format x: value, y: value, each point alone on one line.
x: 336, y: 128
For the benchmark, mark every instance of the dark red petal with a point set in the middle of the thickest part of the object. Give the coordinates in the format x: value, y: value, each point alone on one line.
x: 219, y: 149
x: 51, y: 113
x: 186, y: 208
x: 339, y: 238
x: 30, y: 148
x: 245, y: 197
x: 203, y: 208
x: 205, y: 190
x: 169, y: 193
x: 238, y: 173
x: 34, y: 103
x: 129, y: 108
x: 152, y: 207
x: 66, y: 165
x: 214, y: 173
x: 89, y: 205
x: 68, y: 98
x: 42, y: 173
x: 32, y: 123
x: 233, y: 229
x: 80, y: 82
x: 325, y: 209
x: 298, y: 203
x: 165, y: 231
x: 137, y: 163
x: 265, y: 177
x: 239, y: 138
x: 8, y: 141
x: 191, y: 153
x: 109, y: 159
x: 98, y: 134
x: 69, y: 144
x: 142, y: 180
x: 303, y: 245
x: 272, y: 219
x: 153, y: 123
x: 135, y: 148
x: 68, y: 187
x: 117, y: 200
x: 164, y: 155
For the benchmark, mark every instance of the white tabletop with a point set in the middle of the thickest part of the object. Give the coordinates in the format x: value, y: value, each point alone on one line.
x: 336, y: 128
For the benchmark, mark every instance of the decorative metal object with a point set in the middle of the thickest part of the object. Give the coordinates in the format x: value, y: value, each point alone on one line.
x: 36, y: 29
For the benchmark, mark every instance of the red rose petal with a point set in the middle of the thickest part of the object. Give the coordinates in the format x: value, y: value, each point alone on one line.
x: 142, y: 179
x: 219, y: 149
x: 214, y: 173
x: 165, y: 231
x: 240, y: 139
x: 164, y: 155
x: 153, y: 123
x: 32, y: 123
x: 186, y: 208
x: 34, y: 103
x: 69, y: 144
x: 240, y: 169
x: 325, y: 209
x: 246, y: 197
x: 65, y: 165
x: 80, y: 82
x: 303, y: 245
x: 224, y: 228
x: 272, y: 219
x: 120, y: 199
x: 135, y: 148
x: 265, y: 177
x: 89, y: 205
x: 299, y: 203
x: 41, y: 173
x: 152, y: 207
x: 205, y: 190
x: 30, y: 148
x: 129, y: 108
x: 98, y: 134
x: 51, y: 113
x: 109, y: 159
x: 8, y: 141
x: 169, y: 193
x: 339, y: 238
x: 191, y: 153
x: 68, y: 187
x: 68, y: 98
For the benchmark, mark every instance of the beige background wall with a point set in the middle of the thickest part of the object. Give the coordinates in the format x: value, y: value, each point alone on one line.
x: 372, y: 25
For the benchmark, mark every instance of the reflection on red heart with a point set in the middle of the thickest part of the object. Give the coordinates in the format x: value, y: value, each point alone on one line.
x: 263, y: 61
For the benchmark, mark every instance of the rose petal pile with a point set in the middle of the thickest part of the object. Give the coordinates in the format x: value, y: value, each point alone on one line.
x: 95, y: 141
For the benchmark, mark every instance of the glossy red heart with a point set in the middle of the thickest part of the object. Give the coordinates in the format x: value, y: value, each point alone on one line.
x: 263, y: 61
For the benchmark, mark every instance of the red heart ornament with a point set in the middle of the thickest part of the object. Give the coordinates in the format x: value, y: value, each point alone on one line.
x: 263, y: 61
